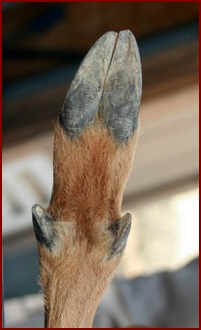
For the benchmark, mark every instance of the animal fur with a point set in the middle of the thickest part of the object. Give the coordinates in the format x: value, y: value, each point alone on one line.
x: 89, y: 178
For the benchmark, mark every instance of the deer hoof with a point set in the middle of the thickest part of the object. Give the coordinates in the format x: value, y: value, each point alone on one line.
x: 43, y: 227
x: 121, y: 230
x: 107, y: 87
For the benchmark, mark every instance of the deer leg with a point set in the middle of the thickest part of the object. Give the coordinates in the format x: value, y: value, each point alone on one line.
x: 82, y: 235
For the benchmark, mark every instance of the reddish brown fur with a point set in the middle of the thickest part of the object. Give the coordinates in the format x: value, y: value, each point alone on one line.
x: 90, y: 173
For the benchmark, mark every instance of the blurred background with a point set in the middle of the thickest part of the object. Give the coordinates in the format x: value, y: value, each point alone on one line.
x: 43, y: 45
